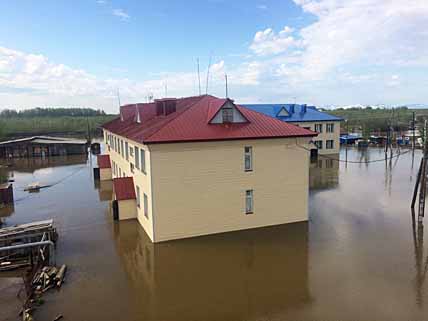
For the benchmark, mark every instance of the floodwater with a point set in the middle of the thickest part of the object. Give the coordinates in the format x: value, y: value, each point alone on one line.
x: 358, y: 257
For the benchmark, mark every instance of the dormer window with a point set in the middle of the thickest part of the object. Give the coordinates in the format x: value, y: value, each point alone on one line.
x: 227, y: 114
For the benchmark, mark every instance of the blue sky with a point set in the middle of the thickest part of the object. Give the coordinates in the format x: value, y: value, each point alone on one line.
x: 323, y: 52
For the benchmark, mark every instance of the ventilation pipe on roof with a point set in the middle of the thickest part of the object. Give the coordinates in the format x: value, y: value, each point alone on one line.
x: 137, y: 114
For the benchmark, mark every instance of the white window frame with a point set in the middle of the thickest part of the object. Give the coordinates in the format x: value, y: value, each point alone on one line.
x: 328, y: 142
x: 249, y: 201
x: 248, y: 154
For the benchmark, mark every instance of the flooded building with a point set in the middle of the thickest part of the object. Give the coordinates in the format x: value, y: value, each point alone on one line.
x: 204, y: 165
x: 327, y: 126
x: 42, y: 146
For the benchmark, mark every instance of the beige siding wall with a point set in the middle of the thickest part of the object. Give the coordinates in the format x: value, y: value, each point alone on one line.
x: 142, y: 180
x: 105, y: 174
x: 127, y: 209
x: 199, y: 188
x: 324, y: 136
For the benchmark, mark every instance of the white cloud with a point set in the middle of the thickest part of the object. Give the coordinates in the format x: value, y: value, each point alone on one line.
x: 267, y: 42
x: 101, y: 2
x: 262, y: 7
x: 121, y: 14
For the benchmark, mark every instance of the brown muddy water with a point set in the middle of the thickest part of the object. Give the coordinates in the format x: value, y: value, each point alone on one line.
x: 357, y: 258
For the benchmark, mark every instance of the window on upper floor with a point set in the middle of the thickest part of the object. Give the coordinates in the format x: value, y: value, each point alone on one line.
x: 249, y: 202
x: 329, y: 128
x: 137, y: 157
x: 122, y: 149
x: 248, y: 158
x: 318, y: 128
x: 126, y: 151
x: 318, y: 143
x: 143, y: 160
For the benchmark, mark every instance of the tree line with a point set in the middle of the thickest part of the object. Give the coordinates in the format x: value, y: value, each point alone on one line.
x: 51, y: 112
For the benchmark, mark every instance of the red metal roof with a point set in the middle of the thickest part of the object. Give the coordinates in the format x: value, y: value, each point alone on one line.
x: 123, y: 188
x: 189, y: 123
x: 104, y: 161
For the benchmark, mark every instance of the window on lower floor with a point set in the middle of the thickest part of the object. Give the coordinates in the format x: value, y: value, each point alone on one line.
x: 329, y: 144
x: 138, y: 196
x: 318, y: 144
x: 249, y: 204
x: 146, y: 206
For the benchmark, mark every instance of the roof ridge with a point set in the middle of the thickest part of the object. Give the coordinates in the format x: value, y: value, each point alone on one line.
x: 174, y: 118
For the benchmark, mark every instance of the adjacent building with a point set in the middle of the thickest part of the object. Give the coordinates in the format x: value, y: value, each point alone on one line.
x: 42, y: 146
x: 204, y: 165
x: 327, y: 126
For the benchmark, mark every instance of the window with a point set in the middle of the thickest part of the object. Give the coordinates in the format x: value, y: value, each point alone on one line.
x: 329, y: 144
x: 138, y: 196
x: 131, y: 167
x: 121, y: 147
x: 146, y: 206
x: 143, y: 160
x: 137, y: 158
x: 248, y: 158
x: 126, y: 151
x: 318, y: 143
x: 227, y: 114
x: 131, y: 151
x: 329, y: 128
x: 318, y: 128
x: 249, y: 201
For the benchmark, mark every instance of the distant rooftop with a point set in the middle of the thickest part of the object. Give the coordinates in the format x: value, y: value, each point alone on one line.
x: 293, y: 112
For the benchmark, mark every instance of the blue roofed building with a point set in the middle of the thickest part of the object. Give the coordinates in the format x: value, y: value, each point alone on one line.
x: 327, y: 126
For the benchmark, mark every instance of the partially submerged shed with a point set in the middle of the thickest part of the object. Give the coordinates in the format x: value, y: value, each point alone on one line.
x: 104, y: 165
x: 6, y: 194
x: 124, y: 198
x: 42, y: 146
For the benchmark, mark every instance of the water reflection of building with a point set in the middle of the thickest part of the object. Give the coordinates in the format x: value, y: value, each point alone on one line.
x: 244, y: 275
x: 105, y: 189
x: 30, y: 165
x: 324, y: 173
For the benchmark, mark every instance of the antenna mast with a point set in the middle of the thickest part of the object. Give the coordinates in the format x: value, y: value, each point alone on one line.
x: 208, y: 75
x: 118, y: 96
x: 227, y: 95
x: 199, y: 77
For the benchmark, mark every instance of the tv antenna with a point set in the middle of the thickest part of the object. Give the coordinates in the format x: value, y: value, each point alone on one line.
x: 225, y: 77
x: 208, y: 75
x: 199, y: 76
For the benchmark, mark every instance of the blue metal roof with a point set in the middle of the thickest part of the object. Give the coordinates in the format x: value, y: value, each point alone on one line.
x: 294, y: 112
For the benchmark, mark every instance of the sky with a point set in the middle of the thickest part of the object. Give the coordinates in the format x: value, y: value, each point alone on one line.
x: 322, y: 52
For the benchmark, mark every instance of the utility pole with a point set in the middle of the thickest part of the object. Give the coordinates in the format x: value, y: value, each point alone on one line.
x: 413, y: 129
